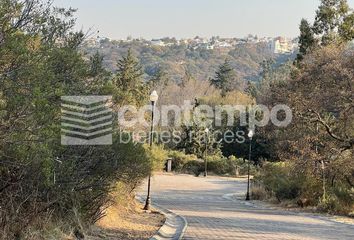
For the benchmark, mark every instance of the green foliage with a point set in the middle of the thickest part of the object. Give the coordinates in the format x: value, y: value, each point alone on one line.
x: 193, y: 167
x: 329, y: 204
x: 197, y: 142
x: 251, y: 89
x: 226, y: 78
x: 216, y: 164
x: 176, y: 60
x: 339, y: 200
x: 157, y: 156
x: 159, y: 78
x: 346, y: 29
x: 279, y: 179
x: 96, y: 64
x: 179, y: 159
x: 128, y: 82
x: 307, y: 39
x: 334, y: 21
x: 39, y: 178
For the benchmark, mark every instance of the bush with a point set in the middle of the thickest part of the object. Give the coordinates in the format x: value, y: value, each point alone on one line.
x: 179, y: 159
x: 258, y: 193
x: 157, y: 156
x: 193, y: 167
x: 279, y: 180
x: 338, y: 200
x: 227, y: 166
x: 217, y: 164
x: 329, y: 204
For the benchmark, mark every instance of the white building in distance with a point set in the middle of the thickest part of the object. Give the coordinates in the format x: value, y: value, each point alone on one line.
x: 281, y: 45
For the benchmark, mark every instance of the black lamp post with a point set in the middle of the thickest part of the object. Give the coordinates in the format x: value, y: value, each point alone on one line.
x: 250, y: 135
x: 153, y: 98
x: 205, y: 153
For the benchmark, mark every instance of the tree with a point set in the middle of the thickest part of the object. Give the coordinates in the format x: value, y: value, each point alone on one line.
x: 196, y: 141
x: 159, y: 78
x: 129, y: 73
x: 334, y: 21
x: 322, y: 130
x: 307, y: 39
x: 41, y: 179
x: 96, y: 64
x: 226, y: 78
x: 251, y: 89
x: 128, y: 81
x: 267, y: 69
x: 346, y: 29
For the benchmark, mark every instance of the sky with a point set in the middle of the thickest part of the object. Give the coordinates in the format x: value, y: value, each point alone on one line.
x: 152, y: 19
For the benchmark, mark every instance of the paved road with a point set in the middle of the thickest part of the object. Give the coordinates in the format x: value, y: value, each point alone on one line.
x: 211, y: 216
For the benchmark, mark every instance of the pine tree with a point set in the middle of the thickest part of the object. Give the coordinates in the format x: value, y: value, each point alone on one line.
x: 267, y: 67
x: 129, y: 74
x: 129, y: 81
x: 226, y: 78
x: 96, y: 64
x: 346, y: 29
x: 196, y: 141
x: 334, y: 21
x: 307, y: 39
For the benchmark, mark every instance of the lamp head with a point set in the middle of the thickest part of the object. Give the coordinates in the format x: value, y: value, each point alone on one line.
x: 153, y: 96
x: 250, y: 133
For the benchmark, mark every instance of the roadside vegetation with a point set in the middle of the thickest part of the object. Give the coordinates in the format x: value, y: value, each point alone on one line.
x: 47, y: 190
x: 313, y: 161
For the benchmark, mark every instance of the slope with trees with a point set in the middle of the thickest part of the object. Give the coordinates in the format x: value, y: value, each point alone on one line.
x: 316, y: 151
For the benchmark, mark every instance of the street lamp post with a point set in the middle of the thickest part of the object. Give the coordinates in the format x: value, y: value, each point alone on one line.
x: 153, y: 99
x: 250, y: 135
x: 205, y: 153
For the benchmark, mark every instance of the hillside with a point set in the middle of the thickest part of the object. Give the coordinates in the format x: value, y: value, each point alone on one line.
x: 181, y: 59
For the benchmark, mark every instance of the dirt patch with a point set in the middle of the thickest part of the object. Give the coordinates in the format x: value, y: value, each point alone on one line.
x: 121, y: 223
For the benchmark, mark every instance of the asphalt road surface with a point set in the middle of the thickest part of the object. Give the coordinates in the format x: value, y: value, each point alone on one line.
x: 211, y: 215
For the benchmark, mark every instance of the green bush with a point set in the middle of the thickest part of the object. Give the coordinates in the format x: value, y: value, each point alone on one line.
x: 193, y: 167
x: 217, y: 164
x: 279, y: 180
x: 329, y: 204
x: 179, y: 159
x: 344, y: 195
x: 157, y: 156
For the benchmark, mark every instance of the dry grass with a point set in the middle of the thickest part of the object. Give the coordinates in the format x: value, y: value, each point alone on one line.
x: 127, y: 223
x: 258, y: 193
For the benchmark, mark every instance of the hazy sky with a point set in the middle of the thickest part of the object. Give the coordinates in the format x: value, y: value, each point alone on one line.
x: 188, y: 18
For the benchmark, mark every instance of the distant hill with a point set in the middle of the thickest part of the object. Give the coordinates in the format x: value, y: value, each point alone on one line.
x: 198, y: 61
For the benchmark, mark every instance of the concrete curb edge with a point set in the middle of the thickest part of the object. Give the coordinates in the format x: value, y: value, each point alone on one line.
x: 174, y: 226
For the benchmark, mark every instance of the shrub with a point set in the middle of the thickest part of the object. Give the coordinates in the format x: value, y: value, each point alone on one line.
x: 278, y: 179
x: 258, y: 193
x: 157, y: 156
x: 328, y: 204
x: 179, y: 159
x: 217, y: 164
x: 193, y: 167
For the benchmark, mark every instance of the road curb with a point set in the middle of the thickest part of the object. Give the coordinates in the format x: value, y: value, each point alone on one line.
x: 174, y: 226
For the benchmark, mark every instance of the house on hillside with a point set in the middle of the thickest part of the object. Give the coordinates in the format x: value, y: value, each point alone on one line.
x: 157, y: 42
x: 281, y: 45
